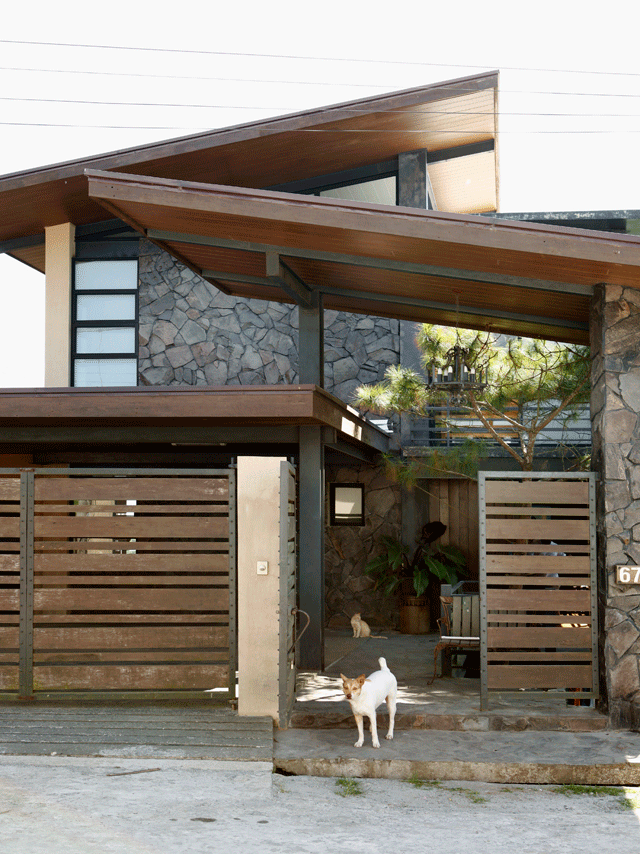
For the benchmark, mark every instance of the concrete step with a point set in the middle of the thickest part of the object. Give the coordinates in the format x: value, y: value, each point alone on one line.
x: 586, y: 758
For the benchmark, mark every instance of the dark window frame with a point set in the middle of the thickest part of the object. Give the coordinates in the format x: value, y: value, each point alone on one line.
x: 101, y: 324
x: 351, y: 522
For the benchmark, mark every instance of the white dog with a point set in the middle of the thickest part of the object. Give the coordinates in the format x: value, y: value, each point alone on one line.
x: 366, y: 694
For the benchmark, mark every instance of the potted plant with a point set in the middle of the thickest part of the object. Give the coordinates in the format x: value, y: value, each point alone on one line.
x: 416, y: 576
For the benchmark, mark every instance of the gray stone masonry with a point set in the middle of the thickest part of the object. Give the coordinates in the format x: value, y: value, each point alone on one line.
x: 193, y: 334
x: 615, y: 408
x: 347, y: 550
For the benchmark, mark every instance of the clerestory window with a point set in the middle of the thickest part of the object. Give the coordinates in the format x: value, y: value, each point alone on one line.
x: 104, y: 323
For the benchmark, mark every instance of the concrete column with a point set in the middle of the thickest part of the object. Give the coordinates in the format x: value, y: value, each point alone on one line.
x: 615, y: 408
x: 312, y: 524
x: 258, y: 487
x: 59, y: 253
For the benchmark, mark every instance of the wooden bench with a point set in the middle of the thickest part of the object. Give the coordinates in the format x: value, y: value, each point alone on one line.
x: 459, y: 625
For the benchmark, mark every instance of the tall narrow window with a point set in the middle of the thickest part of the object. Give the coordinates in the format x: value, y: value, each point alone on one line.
x: 105, y: 317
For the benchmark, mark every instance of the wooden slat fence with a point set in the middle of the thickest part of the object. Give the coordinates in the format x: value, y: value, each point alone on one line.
x: 537, y: 575
x: 10, y: 571
x: 454, y: 502
x: 128, y: 582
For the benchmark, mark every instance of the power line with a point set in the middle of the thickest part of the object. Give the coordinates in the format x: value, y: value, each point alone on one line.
x: 357, y: 60
x: 322, y: 83
x: 351, y: 109
x: 475, y: 133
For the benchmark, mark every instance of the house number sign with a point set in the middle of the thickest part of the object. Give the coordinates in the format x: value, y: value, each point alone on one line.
x: 628, y: 574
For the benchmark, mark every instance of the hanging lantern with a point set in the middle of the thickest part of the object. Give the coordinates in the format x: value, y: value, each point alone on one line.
x: 456, y: 376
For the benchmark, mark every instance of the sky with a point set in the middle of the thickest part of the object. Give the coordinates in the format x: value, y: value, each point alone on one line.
x: 73, y: 85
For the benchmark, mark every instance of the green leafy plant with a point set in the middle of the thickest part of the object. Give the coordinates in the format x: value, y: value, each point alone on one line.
x: 347, y: 787
x: 428, y: 563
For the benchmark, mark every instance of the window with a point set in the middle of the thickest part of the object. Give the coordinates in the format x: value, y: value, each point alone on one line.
x: 346, y: 504
x: 104, y: 323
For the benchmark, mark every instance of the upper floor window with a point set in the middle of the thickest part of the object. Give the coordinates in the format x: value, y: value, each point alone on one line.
x: 104, y: 323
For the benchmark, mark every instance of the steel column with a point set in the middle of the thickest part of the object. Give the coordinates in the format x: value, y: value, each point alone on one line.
x: 25, y: 688
x: 311, y: 342
x: 311, y: 576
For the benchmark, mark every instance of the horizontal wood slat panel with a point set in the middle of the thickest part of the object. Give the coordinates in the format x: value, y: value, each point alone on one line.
x: 121, y: 599
x: 131, y: 526
x: 124, y: 544
x: 118, y: 656
x: 9, y: 601
x: 127, y: 637
x: 9, y: 528
x: 539, y: 581
x: 529, y: 637
x: 544, y: 657
x: 132, y: 488
x: 537, y: 492
x: 562, y: 564
x: 150, y: 580
x: 555, y: 619
x: 131, y: 677
x: 537, y: 529
x: 531, y: 676
x: 9, y: 487
x: 133, y: 562
x: 527, y: 510
x: 538, y: 600
x: 139, y: 509
x: 8, y: 637
x: 142, y: 618
x: 9, y: 563
x: 9, y: 678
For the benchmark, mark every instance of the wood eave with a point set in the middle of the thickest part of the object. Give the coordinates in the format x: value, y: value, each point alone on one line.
x: 171, y: 407
x: 242, y: 154
x: 514, y: 277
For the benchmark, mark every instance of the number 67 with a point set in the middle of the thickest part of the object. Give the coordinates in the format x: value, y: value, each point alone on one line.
x: 625, y: 573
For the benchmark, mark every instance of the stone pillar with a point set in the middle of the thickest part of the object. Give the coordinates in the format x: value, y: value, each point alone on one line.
x: 615, y: 404
x: 59, y: 253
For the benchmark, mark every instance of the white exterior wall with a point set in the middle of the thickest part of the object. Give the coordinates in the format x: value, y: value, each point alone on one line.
x: 258, y: 496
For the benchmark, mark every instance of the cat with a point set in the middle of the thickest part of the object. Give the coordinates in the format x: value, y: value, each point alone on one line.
x: 362, y: 629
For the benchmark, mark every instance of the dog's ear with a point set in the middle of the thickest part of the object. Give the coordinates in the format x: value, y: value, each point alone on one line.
x: 343, y: 677
x: 361, y: 679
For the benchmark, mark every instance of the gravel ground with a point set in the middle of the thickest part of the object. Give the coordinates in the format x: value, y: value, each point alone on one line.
x: 80, y: 806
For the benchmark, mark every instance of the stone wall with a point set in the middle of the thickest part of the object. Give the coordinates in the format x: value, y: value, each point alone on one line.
x: 615, y: 343
x: 193, y: 334
x: 347, y: 550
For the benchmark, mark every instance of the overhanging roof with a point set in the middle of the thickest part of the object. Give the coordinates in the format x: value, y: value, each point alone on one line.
x: 448, y: 115
x: 121, y: 414
x: 511, y: 277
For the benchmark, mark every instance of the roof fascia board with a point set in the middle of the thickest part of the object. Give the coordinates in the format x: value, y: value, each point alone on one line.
x: 110, y: 187
x: 250, y: 130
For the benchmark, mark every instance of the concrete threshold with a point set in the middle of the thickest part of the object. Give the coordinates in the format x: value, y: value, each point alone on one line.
x: 542, y: 757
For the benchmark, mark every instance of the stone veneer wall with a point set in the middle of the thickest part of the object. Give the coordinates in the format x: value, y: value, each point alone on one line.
x: 347, y: 550
x: 615, y: 345
x: 193, y: 334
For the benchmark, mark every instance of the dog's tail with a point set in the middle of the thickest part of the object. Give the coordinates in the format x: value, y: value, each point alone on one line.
x: 383, y: 663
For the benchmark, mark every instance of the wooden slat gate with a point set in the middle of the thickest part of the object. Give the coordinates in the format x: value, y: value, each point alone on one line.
x: 538, y: 584
x: 117, y: 582
x: 288, y: 562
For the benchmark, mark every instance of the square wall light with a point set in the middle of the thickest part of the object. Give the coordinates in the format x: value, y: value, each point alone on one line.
x: 346, y: 504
